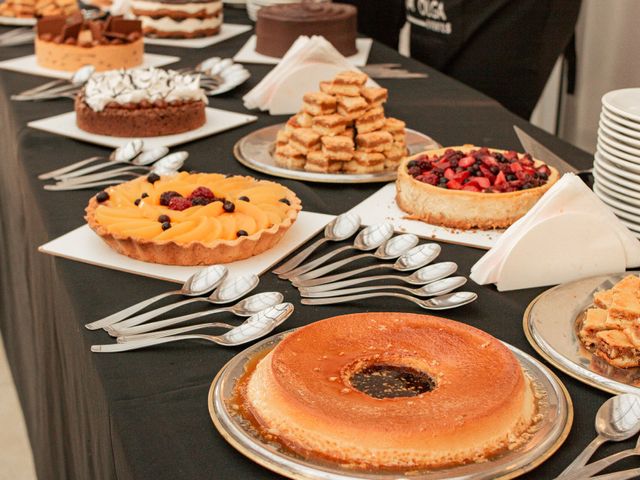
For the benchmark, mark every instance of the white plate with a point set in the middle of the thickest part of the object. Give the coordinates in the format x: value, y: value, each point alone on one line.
x: 382, y: 207
x: 618, y: 145
x: 627, y: 194
x: 248, y: 54
x: 622, y: 120
x: 83, y: 245
x: 603, y: 146
x: 624, y: 102
x: 615, y: 195
x: 610, y: 167
x: 216, y: 121
x: 610, y: 199
x: 227, y: 31
x: 620, y: 137
x: 29, y: 65
x: 624, y: 164
x: 631, y: 218
x: 18, y: 22
x: 621, y: 129
x: 612, y: 177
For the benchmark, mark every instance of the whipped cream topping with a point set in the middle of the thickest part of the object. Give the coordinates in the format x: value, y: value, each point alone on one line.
x: 140, y: 84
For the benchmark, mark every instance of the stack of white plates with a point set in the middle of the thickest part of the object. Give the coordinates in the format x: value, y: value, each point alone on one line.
x: 617, y: 161
x: 254, y: 5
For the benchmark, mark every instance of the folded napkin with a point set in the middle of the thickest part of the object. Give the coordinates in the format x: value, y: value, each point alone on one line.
x: 308, y: 61
x: 568, y: 234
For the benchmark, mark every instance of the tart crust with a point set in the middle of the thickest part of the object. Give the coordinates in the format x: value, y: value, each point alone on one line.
x: 195, y: 253
x: 460, y: 208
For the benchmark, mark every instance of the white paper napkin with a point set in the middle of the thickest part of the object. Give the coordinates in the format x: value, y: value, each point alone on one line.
x: 314, y: 50
x: 570, y: 198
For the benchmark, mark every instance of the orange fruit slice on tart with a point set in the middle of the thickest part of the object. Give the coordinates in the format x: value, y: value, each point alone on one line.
x: 193, y: 218
x: 471, y: 187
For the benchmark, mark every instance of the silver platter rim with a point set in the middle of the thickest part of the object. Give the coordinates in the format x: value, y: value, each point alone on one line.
x: 249, y: 161
x: 545, y: 349
x: 519, y: 461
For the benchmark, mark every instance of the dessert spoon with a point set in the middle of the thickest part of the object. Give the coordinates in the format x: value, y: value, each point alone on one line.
x: 392, y: 248
x: 127, y: 152
x: 255, y: 327
x: 617, y: 419
x: 415, y: 258
x: 144, y: 158
x: 64, y: 187
x: 428, y: 274
x: 443, y: 302
x: 369, y: 238
x: 230, y: 290
x: 244, y: 308
x: 79, y: 77
x: 439, y: 287
x: 339, y: 229
x: 200, y: 283
x: 593, y: 468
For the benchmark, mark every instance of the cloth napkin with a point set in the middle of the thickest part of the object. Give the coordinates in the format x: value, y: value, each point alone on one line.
x: 567, y: 195
x: 305, y: 50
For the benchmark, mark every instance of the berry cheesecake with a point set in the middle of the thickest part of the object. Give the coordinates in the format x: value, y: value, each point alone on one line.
x: 471, y: 187
x: 193, y: 219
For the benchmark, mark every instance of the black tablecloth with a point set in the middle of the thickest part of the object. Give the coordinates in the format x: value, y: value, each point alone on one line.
x: 144, y: 414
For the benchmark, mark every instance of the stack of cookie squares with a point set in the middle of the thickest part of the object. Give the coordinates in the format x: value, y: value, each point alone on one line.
x: 342, y: 128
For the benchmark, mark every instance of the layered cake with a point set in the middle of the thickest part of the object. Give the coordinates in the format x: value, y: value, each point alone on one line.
x: 391, y: 390
x: 611, y: 329
x: 471, y: 187
x: 193, y: 219
x: 68, y: 43
x: 278, y: 26
x: 37, y: 8
x: 179, y: 18
x: 145, y: 102
x: 342, y: 128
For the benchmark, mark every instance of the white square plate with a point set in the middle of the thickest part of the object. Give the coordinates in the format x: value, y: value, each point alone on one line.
x: 382, y: 207
x: 248, y: 54
x: 217, y: 121
x: 29, y: 65
x: 83, y: 245
x: 227, y: 31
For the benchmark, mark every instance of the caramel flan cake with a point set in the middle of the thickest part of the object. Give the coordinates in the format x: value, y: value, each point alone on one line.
x: 391, y: 391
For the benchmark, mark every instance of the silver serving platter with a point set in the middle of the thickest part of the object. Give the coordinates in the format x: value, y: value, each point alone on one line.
x: 550, y: 326
x: 255, y: 151
x: 556, y: 418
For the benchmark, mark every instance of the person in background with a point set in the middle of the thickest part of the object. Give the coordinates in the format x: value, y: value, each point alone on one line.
x: 503, y: 48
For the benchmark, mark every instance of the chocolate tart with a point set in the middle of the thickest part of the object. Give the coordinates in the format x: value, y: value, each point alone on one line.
x: 482, y: 208
x: 135, y: 219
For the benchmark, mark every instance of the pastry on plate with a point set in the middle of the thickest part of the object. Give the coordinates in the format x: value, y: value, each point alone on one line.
x: 146, y: 102
x: 37, y: 8
x: 179, y: 18
x: 193, y: 218
x: 470, y: 187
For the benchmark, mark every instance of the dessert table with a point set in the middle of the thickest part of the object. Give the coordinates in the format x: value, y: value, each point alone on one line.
x: 143, y: 414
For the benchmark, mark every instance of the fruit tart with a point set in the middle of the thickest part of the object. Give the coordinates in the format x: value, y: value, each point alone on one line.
x: 193, y: 218
x: 471, y: 187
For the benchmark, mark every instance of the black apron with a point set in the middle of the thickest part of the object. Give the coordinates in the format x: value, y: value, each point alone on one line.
x: 380, y: 19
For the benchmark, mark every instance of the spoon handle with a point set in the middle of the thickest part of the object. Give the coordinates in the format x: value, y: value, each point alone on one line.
x: 347, y: 283
x: 349, y: 291
x: 172, y: 331
x: 299, y: 258
x: 351, y: 298
x: 623, y: 475
x: 582, y: 459
x: 83, y: 171
x: 138, y: 319
x: 63, y: 187
x: 127, y: 312
x: 315, y: 263
x: 124, y: 347
x: 318, y: 272
x: 68, y: 168
x: 96, y: 177
x: 151, y: 326
x: 339, y: 276
x: 595, y: 467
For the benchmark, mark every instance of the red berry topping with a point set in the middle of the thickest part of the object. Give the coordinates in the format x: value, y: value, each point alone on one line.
x: 479, y: 170
x: 166, y: 197
x: 179, y: 203
x: 202, y: 192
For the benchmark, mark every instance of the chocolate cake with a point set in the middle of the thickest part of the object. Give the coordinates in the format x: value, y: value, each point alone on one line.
x: 141, y: 103
x: 68, y: 43
x: 179, y: 18
x: 278, y: 26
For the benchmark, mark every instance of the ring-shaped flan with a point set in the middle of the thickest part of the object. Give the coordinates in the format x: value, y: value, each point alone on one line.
x: 303, y: 394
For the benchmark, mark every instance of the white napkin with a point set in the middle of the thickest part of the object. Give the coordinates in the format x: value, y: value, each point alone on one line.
x: 305, y: 51
x: 573, y: 200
